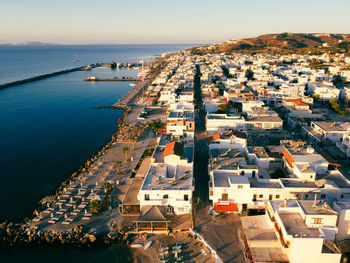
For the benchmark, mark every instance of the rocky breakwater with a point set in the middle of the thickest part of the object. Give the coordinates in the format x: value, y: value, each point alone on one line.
x: 20, y: 234
x: 94, y: 157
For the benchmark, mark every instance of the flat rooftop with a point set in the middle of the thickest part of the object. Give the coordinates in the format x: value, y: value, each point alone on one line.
x: 332, y: 126
x: 255, y: 183
x: 168, y: 177
x: 262, y: 239
x: 188, y: 115
x: 318, y: 208
x: 336, y: 178
x: 298, y: 183
x: 295, y: 226
x: 224, y: 117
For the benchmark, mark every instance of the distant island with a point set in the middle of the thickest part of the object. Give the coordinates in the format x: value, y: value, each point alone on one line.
x: 28, y: 43
x: 283, y: 43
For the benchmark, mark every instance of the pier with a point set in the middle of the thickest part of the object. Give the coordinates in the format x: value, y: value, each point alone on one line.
x: 112, y: 79
x: 136, y: 92
x: 45, y: 76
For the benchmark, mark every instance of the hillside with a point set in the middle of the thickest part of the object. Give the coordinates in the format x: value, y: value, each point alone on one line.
x: 283, y: 43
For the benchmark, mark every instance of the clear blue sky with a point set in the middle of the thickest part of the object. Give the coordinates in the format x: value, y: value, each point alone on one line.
x: 164, y: 21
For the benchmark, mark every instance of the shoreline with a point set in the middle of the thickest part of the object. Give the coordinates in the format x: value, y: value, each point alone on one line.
x: 18, y: 232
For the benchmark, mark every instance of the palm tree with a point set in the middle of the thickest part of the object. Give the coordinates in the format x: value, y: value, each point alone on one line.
x: 139, y: 130
x: 133, y: 139
x: 117, y: 164
x: 125, y: 151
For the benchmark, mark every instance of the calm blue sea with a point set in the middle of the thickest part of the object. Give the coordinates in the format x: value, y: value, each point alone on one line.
x: 49, y: 128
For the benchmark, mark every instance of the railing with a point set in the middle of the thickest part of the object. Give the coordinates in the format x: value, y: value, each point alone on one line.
x: 332, y: 246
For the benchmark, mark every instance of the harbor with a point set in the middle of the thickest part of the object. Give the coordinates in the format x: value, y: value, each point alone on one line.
x: 112, y: 79
x: 45, y: 76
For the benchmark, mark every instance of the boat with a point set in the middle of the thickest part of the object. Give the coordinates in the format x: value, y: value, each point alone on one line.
x: 76, y: 59
x: 132, y: 84
x: 148, y: 244
x: 137, y: 245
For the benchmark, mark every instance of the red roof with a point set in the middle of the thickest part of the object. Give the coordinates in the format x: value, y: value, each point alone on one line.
x: 297, y: 102
x: 213, y: 137
x: 173, y: 148
x: 289, y: 158
x: 230, y: 207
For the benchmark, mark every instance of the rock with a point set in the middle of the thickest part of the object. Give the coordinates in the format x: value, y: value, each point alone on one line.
x: 83, y: 240
x: 91, y: 237
x: 3, y: 225
x: 8, y: 232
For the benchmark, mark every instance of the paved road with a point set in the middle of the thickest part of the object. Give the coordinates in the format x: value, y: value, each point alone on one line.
x: 201, y: 147
x: 222, y: 233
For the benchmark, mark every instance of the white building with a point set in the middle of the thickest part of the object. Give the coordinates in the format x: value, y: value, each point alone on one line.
x: 168, y: 185
x: 305, y: 230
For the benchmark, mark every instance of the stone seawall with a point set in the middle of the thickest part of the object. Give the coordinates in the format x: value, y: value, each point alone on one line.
x: 45, y: 76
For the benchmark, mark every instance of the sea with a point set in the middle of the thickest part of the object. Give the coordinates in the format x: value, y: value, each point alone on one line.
x: 49, y: 128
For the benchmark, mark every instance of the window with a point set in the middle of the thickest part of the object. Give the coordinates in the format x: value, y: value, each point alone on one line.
x: 240, y: 186
x: 146, y: 196
x: 261, y: 196
x: 277, y: 196
x: 270, y: 197
x: 323, y: 196
x: 242, y: 173
x: 224, y: 197
x: 310, y: 176
x: 317, y: 220
x: 165, y: 196
x: 253, y: 174
x: 341, y: 196
x: 306, y: 196
x: 254, y: 197
x: 186, y: 197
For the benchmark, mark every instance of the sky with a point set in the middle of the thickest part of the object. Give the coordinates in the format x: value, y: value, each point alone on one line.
x: 164, y: 21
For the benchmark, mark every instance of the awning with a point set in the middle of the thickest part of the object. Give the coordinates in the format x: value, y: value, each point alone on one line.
x: 230, y: 207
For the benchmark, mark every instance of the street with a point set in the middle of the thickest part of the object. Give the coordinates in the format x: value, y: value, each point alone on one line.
x: 223, y: 233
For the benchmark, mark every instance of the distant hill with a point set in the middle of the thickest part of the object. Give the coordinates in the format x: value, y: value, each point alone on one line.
x: 283, y: 43
x: 33, y: 43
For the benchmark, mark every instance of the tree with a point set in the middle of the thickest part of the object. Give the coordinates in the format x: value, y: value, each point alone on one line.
x: 133, y: 139
x: 108, y: 187
x: 223, y: 108
x: 125, y: 151
x: 95, y: 206
x: 249, y: 74
x: 118, y: 164
x: 336, y: 107
x: 139, y: 130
